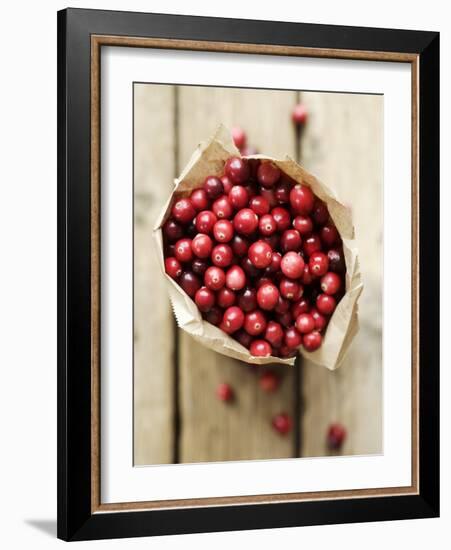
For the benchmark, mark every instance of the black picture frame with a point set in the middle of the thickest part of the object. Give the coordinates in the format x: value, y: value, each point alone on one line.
x: 76, y: 520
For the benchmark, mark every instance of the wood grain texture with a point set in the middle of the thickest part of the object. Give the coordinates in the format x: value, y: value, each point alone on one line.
x: 210, y: 429
x: 154, y: 143
x: 342, y: 145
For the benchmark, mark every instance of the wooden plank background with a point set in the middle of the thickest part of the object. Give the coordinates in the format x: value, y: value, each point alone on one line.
x: 177, y: 416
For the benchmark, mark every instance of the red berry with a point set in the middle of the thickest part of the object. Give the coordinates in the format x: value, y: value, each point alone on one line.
x: 199, y: 266
x: 259, y: 205
x: 285, y: 319
x: 281, y: 217
x: 205, y: 299
x: 214, y: 278
x: 223, y: 231
x: 227, y: 184
x: 320, y: 320
x: 222, y: 255
x: 239, y: 137
x: 267, y: 296
x: 336, y: 435
x: 213, y: 187
x: 268, y: 174
x: 243, y: 338
x: 292, y: 338
x: 303, y: 224
x: 326, y: 304
x: 249, y: 268
x: 299, y: 114
x: 305, y: 323
x: 260, y: 348
x: 183, y: 251
x: 329, y: 235
x: 274, y: 334
x: 274, y: 266
x: 255, y: 322
x: 260, y: 254
x: 282, y: 423
x: 267, y: 225
x: 245, y: 221
x: 330, y: 283
x: 283, y: 305
x: 307, y: 276
x: 299, y: 307
x: 291, y: 290
x: 318, y: 264
x: 237, y: 169
x: 222, y: 207
x: 302, y: 199
x: 336, y: 260
x: 247, y: 300
x: 269, y: 195
x: 201, y: 245
x: 269, y: 381
x: 312, y: 340
x: 292, y: 265
x: 224, y: 392
x: 214, y: 316
x: 286, y: 352
x: 173, y: 267
x: 240, y: 245
x: 311, y: 244
x: 320, y: 212
x: 282, y: 192
x: 172, y: 231
x: 290, y: 240
x: 190, y: 283
x: 272, y: 240
x: 251, y: 188
x: 235, y: 278
x: 225, y: 297
x: 183, y: 210
x: 205, y: 221
x: 238, y: 197
x: 199, y: 199
x: 233, y: 319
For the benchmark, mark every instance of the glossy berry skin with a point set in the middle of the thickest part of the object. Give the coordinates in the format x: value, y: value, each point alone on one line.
x: 240, y: 245
x: 269, y: 195
x: 330, y: 283
x: 274, y: 334
x: 283, y: 305
x: 224, y: 392
x: 260, y: 254
x: 267, y: 225
x: 307, y: 277
x: 299, y: 114
x: 336, y: 435
x: 202, y: 245
x: 268, y: 174
x: 225, y: 298
x: 233, y: 319
x: 183, y: 251
x: 214, y: 278
x: 183, y: 211
x: 238, y: 197
x: 243, y: 338
x: 285, y: 319
x: 269, y: 381
x: 282, y: 192
x: 205, y: 221
x: 286, y: 352
x: 312, y: 341
x: 319, y: 319
x: 329, y: 235
x: 282, y: 218
x: 326, y: 304
x: 199, y: 266
x: 311, y: 244
x: 223, y: 231
x: 237, y: 169
x: 205, y: 299
x: 227, y: 184
x: 222, y: 255
x: 247, y: 300
x: 172, y: 231
x: 249, y: 268
x: 213, y: 187
x: 290, y: 289
x: 299, y: 307
x: 292, y: 265
x: 267, y: 296
x: 290, y: 240
x: 318, y: 264
x: 259, y: 205
x: 245, y: 221
x: 293, y: 338
x: 255, y: 322
x: 305, y: 323
x: 239, y: 137
x: 214, y: 316
x: 190, y: 283
x: 173, y: 267
x: 260, y: 348
x: 336, y: 260
x: 303, y: 224
x: 302, y: 199
x: 222, y: 207
x: 320, y: 213
x: 235, y: 278
x: 282, y: 423
x: 274, y: 266
x: 199, y: 199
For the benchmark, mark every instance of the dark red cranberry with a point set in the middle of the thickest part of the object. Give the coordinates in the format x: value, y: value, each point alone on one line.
x: 205, y: 221
x: 282, y: 423
x: 245, y: 221
x: 199, y: 199
x: 252, y: 189
x: 285, y: 352
x: 303, y: 224
x: 172, y: 231
x: 268, y: 174
x: 169, y: 250
x: 307, y: 277
x: 267, y: 225
x: 320, y: 213
x: 281, y: 217
x: 222, y: 207
x: 255, y: 322
x: 259, y: 205
x: 290, y: 289
x: 262, y: 281
x: 269, y: 381
x: 224, y: 392
x: 267, y: 296
x: 213, y: 187
x: 199, y: 266
x: 222, y: 255
x: 292, y: 338
x: 249, y: 268
x: 183, y: 251
x: 239, y: 137
x: 272, y: 240
x: 183, y: 211
x: 225, y: 297
x: 302, y: 199
x: 237, y: 169
x: 299, y: 114
x: 292, y: 265
x: 290, y: 240
x: 190, y: 283
x: 312, y: 341
x: 282, y: 192
x: 320, y: 320
x: 233, y: 319
x: 238, y: 197
x: 311, y: 244
x: 205, y: 299
x: 260, y: 254
x: 305, y: 323
x: 269, y: 195
x: 330, y: 283
x: 214, y: 278
x: 336, y: 260
x: 243, y: 338
x: 260, y: 348
x: 223, y: 231
x: 326, y: 304
x: 274, y: 334
x: 235, y: 278
x: 227, y: 183
x: 240, y: 245
x: 283, y: 305
x: 336, y: 435
x: 329, y: 235
x: 173, y: 267
x: 247, y: 299
x: 191, y: 230
x: 299, y: 307
x: 202, y: 245
x: 274, y: 266
x: 318, y: 264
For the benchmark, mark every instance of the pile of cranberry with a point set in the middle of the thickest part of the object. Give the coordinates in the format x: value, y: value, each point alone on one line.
x: 259, y: 255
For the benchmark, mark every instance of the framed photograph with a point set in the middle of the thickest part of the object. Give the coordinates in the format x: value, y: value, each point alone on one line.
x: 248, y: 274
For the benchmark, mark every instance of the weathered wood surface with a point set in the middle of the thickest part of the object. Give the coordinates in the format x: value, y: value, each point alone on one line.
x: 342, y: 145
x: 154, y: 335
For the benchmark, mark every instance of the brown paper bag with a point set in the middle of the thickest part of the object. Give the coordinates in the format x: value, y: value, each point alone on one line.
x: 209, y: 159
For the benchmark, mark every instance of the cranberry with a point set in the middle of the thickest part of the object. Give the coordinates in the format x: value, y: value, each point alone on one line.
x: 282, y: 192
x: 190, y: 283
x: 205, y: 299
x: 251, y: 188
x: 299, y: 114
x: 233, y: 319
x: 227, y: 184
x: 274, y: 334
x: 268, y: 174
x: 205, y: 221
x: 329, y: 235
x: 222, y: 255
x: 305, y: 323
x: 269, y: 381
x: 214, y: 278
x: 222, y: 207
x: 247, y: 300
x: 292, y: 338
x: 292, y: 265
x: 291, y: 290
x: 318, y: 264
x: 199, y: 266
x: 259, y: 205
x: 326, y: 304
x: 224, y: 392
x: 243, y: 338
x: 283, y: 305
x: 260, y: 254
x: 199, y: 199
x: 183, y: 251
x: 312, y: 340
x: 282, y: 423
x: 303, y: 224
x: 191, y: 230
x: 336, y: 435
x: 213, y: 187
x: 299, y: 307
x: 285, y: 319
x: 245, y: 221
x: 172, y: 231
x: 239, y: 137
x: 285, y: 352
x: 214, y: 316
x: 272, y: 240
x: 249, y: 268
x: 225, y: 297
x: 290, y: 240
x: 267, y: 296
x: 260, y: 348
x: 274, y: 266
x: 238, y: 196
x: 336, y: 260
x: 201, y: 245
x: 173, y: 267
x: 269, y: 195
x: 237, y: 169
x: 311, y: 244
x: 281, y: 217
x: 330, y: 283
x: 320, y: 212
x: 235, y: 278
x: 302, y: 199
x: 267, y: 225
x: 183, y: 211
x: 223, y: 231
x: 255, y: 322
x: 320, y: 320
